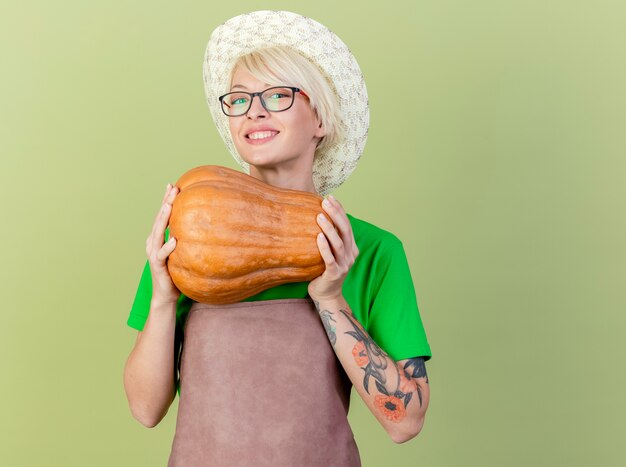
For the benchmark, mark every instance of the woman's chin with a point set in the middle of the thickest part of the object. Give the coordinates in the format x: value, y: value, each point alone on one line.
x: 264, y: 161
x: 259, y: 163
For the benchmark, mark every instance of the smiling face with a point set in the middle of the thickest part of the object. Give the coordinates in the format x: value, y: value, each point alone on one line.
x: 271, y: 139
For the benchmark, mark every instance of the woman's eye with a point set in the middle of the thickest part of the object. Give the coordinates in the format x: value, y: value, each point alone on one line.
x: 239, y: 101
x: 278, y: 95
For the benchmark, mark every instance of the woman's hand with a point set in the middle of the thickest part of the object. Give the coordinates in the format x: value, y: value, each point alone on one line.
x: 163, y: 289
x: 338, y: 249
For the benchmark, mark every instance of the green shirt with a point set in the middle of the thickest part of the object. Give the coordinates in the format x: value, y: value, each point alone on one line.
x: 378, y: 288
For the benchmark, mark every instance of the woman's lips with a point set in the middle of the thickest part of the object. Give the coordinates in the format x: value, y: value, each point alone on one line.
x: 260, y: 137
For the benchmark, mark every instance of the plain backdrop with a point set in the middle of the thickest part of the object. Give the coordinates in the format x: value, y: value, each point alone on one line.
x: 495, y: 153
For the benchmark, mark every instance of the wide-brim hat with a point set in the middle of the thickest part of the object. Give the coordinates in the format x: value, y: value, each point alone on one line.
x: 260, y: 29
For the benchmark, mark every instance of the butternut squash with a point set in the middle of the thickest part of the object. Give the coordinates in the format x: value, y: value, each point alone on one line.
x: 237, y: 236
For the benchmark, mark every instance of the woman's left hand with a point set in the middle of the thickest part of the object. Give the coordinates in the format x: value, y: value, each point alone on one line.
x: 338, y: 249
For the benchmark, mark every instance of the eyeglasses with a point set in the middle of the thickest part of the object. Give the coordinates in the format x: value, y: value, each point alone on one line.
x: 274, y: 99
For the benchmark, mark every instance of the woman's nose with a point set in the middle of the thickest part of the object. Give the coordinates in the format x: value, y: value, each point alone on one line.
x: 256, y: 109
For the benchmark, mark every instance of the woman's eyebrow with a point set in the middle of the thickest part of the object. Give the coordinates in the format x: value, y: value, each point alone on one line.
x: 238, y: 86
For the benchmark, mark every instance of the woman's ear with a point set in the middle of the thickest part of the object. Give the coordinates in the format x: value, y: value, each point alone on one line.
x: 320, y: 132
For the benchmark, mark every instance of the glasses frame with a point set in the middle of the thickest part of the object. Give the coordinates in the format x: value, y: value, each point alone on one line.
x: 260, y: 94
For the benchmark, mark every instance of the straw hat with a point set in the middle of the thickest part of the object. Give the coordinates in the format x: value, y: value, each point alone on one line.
x: 245, y: 33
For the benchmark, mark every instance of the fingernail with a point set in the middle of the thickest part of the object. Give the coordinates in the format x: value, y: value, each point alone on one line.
x: 167, y: 188
x: 322, y: 217
x: 332, y: 198
x: 326, y: 203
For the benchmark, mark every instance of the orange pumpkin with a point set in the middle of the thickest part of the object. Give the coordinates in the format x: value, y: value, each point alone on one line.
x: 237, y: 236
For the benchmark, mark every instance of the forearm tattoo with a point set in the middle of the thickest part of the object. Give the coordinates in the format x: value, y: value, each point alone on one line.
x: 327, y: 317
x: 330, y: 329
x: 395, y: 396
x: 416, y: 368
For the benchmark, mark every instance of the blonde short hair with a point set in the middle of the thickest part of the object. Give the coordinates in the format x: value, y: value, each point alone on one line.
x: 282, y: 65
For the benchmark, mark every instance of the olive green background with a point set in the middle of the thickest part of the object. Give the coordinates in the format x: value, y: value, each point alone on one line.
x: 496, y: 153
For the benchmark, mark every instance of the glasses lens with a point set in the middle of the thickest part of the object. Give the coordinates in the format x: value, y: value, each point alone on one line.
x: 277, y: 99
x: 236, y: 103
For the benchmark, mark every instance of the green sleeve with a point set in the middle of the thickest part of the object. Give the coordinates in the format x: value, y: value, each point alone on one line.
x: 141, y: 306
x: 394, y: 320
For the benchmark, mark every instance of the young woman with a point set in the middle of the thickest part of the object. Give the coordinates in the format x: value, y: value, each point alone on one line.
x: 267, y: 381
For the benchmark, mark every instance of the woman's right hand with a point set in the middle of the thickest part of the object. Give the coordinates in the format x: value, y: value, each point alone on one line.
x: 163, y: 289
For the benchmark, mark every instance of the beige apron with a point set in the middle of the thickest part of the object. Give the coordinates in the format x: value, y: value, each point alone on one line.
x: 261, y: 386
